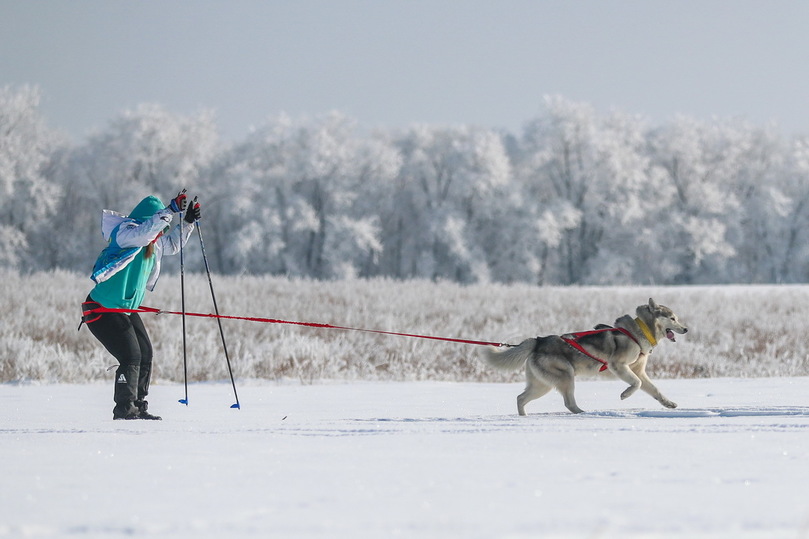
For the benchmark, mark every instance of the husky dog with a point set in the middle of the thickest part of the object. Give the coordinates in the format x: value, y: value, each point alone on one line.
x: 552, y: 361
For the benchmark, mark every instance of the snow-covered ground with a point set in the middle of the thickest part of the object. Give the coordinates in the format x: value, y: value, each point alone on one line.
x: 411, y: 459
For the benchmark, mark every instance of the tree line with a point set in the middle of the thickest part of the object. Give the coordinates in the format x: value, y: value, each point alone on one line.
x: 577, y: 197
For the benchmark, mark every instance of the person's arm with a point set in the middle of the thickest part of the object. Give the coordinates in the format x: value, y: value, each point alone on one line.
x: 134, y: 234
x: 171, y: 242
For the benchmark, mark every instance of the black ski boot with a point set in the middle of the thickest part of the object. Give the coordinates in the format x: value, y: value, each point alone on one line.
x: 143, y: 407
x: 125, y: 411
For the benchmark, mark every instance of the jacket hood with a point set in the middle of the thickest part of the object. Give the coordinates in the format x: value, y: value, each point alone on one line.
x: 146, y: 208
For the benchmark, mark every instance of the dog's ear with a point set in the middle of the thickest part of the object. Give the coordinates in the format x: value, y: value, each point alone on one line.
x: 652, y: 304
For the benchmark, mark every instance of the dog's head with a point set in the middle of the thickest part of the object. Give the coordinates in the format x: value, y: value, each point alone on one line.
x: 662, y: 319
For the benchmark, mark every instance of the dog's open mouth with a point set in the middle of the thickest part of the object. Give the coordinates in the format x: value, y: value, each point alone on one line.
x: 670, y: 335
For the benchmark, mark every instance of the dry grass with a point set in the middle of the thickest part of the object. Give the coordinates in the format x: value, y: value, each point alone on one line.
x: 734, y: 330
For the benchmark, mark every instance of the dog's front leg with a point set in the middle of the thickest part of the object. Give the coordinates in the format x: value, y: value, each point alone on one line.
x: 625, y: 373
x: 651, y: 389
x: 639, y: 368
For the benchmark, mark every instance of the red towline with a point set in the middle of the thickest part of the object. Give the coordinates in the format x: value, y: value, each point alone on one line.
x: 101, y: 310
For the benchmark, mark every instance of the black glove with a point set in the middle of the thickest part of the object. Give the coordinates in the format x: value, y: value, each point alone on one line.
x: 179, y: 202
x: 193, y: 213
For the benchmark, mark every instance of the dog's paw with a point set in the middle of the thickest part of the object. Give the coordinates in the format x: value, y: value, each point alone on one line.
x: 669, y: 404
x: 628, y: 392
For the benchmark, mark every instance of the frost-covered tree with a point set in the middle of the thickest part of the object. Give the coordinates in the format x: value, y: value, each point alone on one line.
x: 791, y: 203
x: 585, y: 177
x: 144, y: 151
x: 759, y: 228
x: 444, y: 205
x: 702, y: 163
x: 296, y: 197
x: 27, y: 196
x: 578, y: 197
x: 619, y: 212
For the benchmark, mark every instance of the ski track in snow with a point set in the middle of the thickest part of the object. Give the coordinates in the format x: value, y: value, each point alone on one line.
x: 416, y: 459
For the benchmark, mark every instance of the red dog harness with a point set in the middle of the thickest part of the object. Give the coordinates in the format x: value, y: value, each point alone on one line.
x: 573, y: 340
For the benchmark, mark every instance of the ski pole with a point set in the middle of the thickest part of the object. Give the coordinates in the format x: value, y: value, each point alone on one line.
x: 218, y: 319
x: 182, y: 302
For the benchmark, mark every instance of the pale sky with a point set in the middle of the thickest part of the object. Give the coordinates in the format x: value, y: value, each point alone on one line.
x: 392, y: 63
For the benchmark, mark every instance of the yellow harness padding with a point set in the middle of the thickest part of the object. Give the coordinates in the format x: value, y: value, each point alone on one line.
x: 646, y: 331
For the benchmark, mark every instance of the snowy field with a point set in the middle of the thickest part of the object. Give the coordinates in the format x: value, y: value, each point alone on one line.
x: 408, y: 459
x: 353, y: 435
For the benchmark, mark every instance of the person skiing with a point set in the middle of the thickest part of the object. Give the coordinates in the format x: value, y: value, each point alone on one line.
x: 124, y: 270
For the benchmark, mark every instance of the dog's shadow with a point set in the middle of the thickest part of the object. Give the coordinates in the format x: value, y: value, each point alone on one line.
x: 452, y: 423
x: 477, y: 423
x: 686, y: 413
x: 375, y: 426
x: 682, y: 413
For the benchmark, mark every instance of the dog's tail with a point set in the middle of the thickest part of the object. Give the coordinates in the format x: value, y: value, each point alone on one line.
x: 511, y: 358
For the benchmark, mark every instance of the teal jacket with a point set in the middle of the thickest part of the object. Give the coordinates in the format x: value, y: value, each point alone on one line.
x: 122, y: 272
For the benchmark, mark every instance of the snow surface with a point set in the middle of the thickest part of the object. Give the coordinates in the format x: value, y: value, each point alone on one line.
x: 414, y: 459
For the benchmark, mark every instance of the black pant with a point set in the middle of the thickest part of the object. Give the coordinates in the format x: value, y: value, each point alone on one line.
x: 125, y: 337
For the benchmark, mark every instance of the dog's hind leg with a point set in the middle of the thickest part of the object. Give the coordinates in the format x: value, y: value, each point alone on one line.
x: 535, y: 386
x: 558, y: 374
x: 534, y: 389
x: 566, y: 387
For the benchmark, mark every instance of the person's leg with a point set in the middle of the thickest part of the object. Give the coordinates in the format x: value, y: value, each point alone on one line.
x: 145, y: 373
x: 115, y: 331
